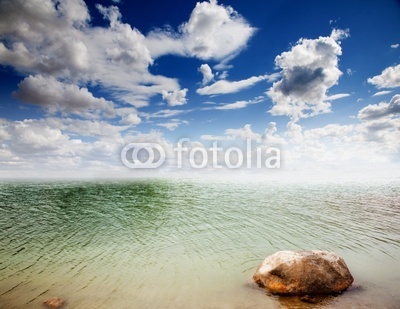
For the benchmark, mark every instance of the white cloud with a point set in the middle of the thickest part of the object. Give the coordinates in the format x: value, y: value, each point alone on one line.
x: 207, y: 73
x: 238, y: 104
x: 389, y: 78
x: 208, y: 137
x: 294, y: 132
x: 332, y: 147
x: 129, y: 116
x: 395, y: 45
x: 243, y: 133
x: 74, y: 11
x: 57, y: 96
x: 55, y: 39
x: 213, y: 31
x: 383, y: 92
x: 340, y: 34
x: 90, y: 128
x: 337, y: 96
x: 375, y: 111
x: 32, y: 137
x: 4, y: 135
x: 43, y: 39
x: 273, y: 77
x: 224, y: 86
x: 165, y: 113
x: 173, y: 124
x: 384, y: 132
x: 176, y: 97
x: 246, y: 133
x: 127, y: 47
x: 309, y: 69
x: 330, y: 131
x: 56, y: 144
x: 58, y: 40
x: 271, y: 138
x: 51, y: 145
x: 169, y: 125
x: 132, y: 119
x: 223, y: 75
x: 345, y: 147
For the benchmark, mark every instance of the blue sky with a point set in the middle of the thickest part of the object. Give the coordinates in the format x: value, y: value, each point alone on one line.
x: 81, y: 79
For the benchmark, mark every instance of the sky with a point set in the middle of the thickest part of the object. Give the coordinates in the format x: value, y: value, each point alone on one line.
x: 317, y: 80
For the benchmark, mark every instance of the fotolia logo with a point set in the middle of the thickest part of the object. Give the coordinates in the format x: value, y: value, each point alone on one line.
x: 153, y: 155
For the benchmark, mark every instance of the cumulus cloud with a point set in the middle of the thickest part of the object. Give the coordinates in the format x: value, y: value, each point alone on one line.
x: 61, y: 97
x: 376, y: 111
x: 213, y: 31
x: 176, y: 97
x: 224, y: 86
x: 131, y: 119
x: 308, y: 70
x: 127, y: 46
x: 129, y: 116
x: 395, y: 46
x: 42, y: 38
x: 389, y: 78
x: 380, y: 126
x: 55, y: 38
x: 74, y: 12
x: 207, y: 73
x: 294, y: 132
x: 31, y: 137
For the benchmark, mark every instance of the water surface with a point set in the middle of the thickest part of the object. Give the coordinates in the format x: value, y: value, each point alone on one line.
x: 190, y: 244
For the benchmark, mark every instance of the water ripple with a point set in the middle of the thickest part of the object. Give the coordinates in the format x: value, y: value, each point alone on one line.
x: 178, y: 244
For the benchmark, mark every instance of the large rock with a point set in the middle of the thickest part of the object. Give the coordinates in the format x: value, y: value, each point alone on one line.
x: 303, y: 273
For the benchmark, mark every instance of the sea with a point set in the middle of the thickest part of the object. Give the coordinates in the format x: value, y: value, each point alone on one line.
x: 187, y: 243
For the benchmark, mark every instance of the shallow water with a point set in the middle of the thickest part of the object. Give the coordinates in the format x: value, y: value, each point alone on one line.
x: 190, y: 244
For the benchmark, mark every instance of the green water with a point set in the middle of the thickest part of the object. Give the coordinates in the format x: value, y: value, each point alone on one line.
x: 190, y: 244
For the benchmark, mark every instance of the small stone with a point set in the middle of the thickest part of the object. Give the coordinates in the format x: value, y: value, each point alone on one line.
x: 54, y: 302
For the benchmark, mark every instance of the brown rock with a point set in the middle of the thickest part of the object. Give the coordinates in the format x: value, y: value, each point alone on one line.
x: 303, y: 273
x: 54, y: 302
